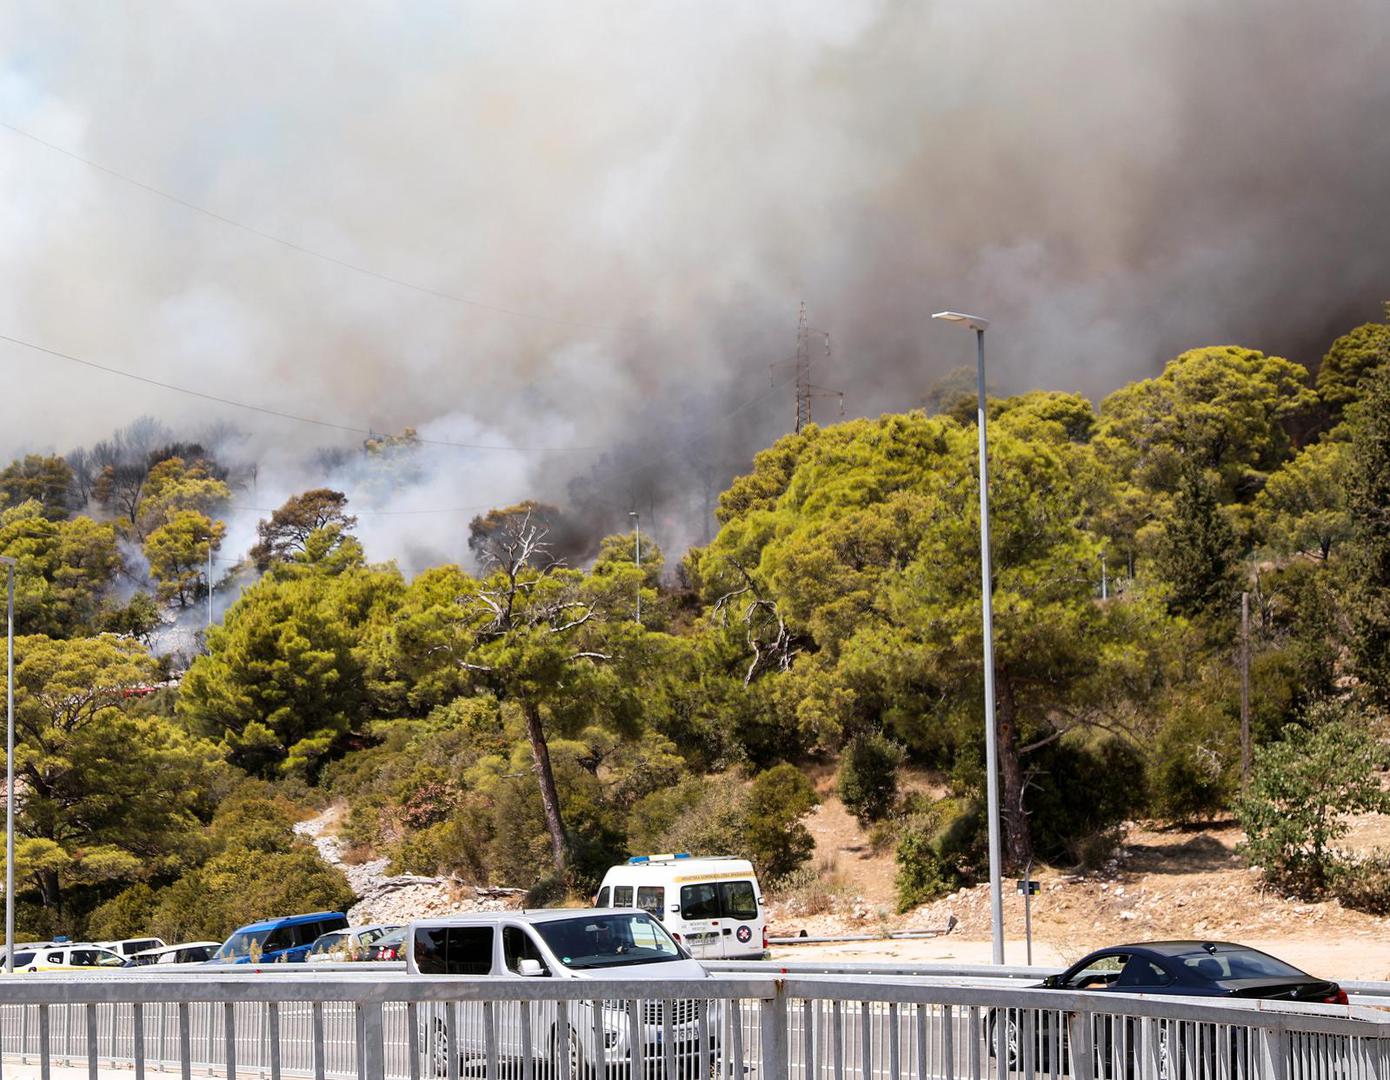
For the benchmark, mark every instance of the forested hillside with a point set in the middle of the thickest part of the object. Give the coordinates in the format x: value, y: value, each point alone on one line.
x: 510, y: 721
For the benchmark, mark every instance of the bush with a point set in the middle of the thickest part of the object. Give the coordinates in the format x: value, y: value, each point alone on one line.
x: 241, y: 886
x: 1081, y: 788
x: 1364, y: 885
x: 1302, y: 789
x: 777, y: 842
x: 720, y: 816
x: 127, y: 914
x: 868, y: 779
x: 939, y: 849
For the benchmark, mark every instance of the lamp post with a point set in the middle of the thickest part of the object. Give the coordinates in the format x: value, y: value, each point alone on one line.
x: 996, y: 896
x: 637, y: 527
x: 9, y: 763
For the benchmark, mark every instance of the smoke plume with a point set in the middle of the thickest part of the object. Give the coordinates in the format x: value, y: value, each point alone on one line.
x: 656, y: 186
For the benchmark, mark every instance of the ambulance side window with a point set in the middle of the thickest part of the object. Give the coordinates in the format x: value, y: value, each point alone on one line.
x: 700, y: 901
x: 602, y: 900
x: 622, y: 896
x: 738, y: 900
x: 652, y: 900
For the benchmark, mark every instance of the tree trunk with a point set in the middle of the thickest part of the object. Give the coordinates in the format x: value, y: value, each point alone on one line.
x: 550, y: 798
x: 1018, y: 839
x: 49, y: 892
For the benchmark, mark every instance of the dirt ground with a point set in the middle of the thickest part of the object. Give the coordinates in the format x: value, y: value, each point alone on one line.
x: 1162, y: 883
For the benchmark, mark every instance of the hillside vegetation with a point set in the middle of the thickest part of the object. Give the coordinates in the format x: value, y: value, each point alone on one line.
x: 514, y: 724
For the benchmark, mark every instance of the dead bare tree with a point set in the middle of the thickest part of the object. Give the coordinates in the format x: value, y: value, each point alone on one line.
x: 528, y: 616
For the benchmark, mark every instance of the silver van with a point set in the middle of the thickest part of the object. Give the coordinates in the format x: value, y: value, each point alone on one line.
x: 597, y: 945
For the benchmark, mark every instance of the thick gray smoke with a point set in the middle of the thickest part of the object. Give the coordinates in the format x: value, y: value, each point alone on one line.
x: 657, y: 185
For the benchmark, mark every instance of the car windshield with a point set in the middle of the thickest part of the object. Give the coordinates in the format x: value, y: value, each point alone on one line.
x: 242, y: 942
x: 1238, y: 964
x: 606, y: 941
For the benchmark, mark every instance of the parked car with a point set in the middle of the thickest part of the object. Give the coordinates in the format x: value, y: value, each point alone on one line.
x: 561, y: 944
x: 69, y: 956
x: 388, y: 947
x: 713, y: 906
x: 188, y: 952
x: 278, y: 941
x: 349, y: 944
x: 1212, y: 969
x: 131, y: 946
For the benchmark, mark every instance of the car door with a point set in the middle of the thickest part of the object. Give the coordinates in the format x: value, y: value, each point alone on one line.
x: 518, y: 944
x: 700, y: 919
x: 740, y: 931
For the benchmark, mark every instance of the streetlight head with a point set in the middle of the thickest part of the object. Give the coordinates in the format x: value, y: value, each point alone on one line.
x: 633, y: 513
x: 5, y: 560
x: 972, y: 322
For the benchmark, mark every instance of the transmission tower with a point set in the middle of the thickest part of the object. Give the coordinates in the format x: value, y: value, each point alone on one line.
x: 806, y: 390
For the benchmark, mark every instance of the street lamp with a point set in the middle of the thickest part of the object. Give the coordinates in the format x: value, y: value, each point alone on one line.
x: 996, y: 896
x: 637, y: 526
x: 9, y: 763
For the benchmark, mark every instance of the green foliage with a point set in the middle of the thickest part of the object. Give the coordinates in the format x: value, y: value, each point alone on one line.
x: 111, y: 795
x: 174, y: 488
x: 64, y: 569
x: 940, y: 847
x: 177, y: 552
x: 1368, y: 566
x: 311, y: 520
x: 777, y: 841
x: 1353, y: 360
x: 241, y: 885
x: 1228, y: 410
x: 1301, y: 791
x: 1196, y: 556
x: 1303, y: 505
x: 1080, y: 789
x: 722, y: 816
x: 129, y: 913
x: 867, y: 782
x: 285, y: 677
x: 45, y: 480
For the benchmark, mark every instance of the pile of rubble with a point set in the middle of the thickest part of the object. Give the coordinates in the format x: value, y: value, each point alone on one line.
x: 398, y: 898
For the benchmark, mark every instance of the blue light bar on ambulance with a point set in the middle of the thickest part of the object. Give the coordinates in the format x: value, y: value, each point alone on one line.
x: 638, y: 860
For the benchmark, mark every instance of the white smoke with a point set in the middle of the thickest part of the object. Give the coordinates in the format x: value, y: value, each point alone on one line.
x: 659, y: 185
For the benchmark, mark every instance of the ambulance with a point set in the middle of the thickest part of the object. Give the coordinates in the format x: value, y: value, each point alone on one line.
x: 713, y: 906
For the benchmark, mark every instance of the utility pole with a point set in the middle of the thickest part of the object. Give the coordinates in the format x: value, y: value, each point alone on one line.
x: 1104, y: 579
x: 209, y: 582
x: 9, y: 765
x: 637, y: 535
x: 1245, y: 689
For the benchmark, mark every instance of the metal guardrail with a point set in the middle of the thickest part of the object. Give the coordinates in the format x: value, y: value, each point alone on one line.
x: 334, y: 1024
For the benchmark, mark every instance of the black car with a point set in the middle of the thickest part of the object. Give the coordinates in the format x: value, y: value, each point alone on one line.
x: 1178, y: 968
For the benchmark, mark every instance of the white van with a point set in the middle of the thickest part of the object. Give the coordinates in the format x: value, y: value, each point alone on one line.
x: 713, y: 906
x: 626, y: 947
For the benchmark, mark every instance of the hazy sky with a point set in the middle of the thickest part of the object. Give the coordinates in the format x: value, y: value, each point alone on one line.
x: 655, y: 186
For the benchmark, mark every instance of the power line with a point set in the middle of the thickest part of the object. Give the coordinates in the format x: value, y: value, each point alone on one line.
x: 283, y: 242
x: 283, y: 415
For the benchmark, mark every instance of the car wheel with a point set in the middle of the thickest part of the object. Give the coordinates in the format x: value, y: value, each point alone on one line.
x: 579, y: 1068
x: 1011, y: 1037
x: 439, y: 1051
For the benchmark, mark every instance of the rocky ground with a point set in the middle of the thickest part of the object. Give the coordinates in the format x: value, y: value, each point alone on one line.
x: 1161, y: 883
x: 398, y: 898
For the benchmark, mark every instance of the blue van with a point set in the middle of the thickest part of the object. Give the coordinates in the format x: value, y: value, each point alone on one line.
x: 278, y: 941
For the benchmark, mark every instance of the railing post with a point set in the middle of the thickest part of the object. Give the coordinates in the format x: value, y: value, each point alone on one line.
x: 772, y: 1021
x: 372, y: 1064
x: 1274, y: 1052
x: 1083, y: 1057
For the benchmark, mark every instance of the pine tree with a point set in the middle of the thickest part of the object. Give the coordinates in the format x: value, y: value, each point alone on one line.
x: 1196, y: 554
x: 1368, y: 565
